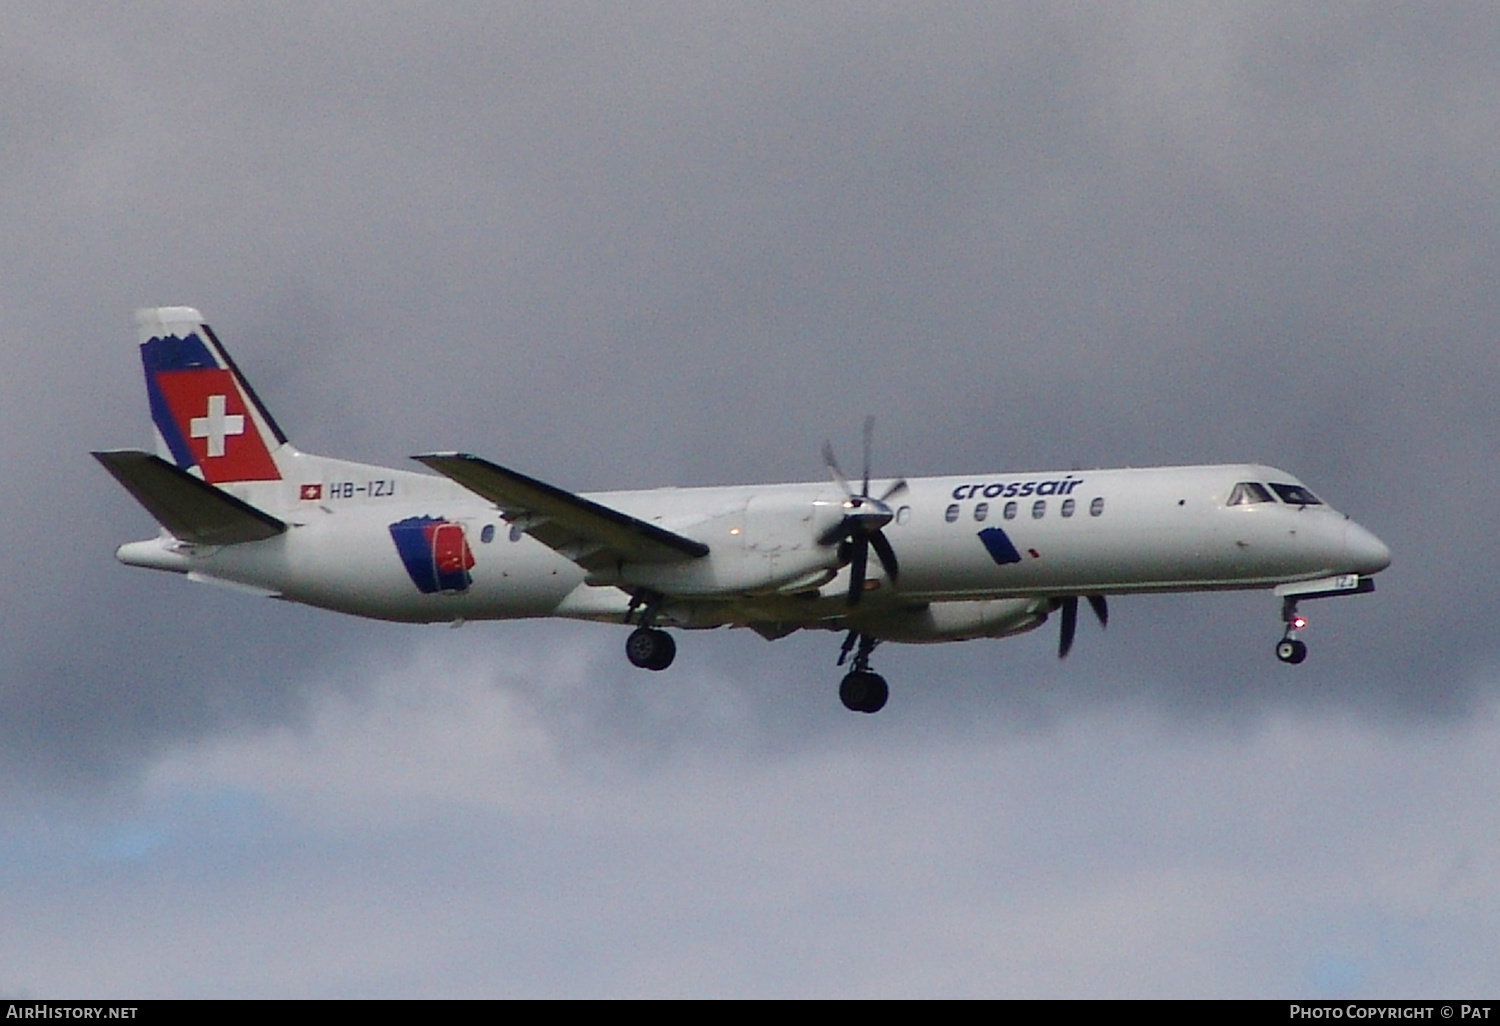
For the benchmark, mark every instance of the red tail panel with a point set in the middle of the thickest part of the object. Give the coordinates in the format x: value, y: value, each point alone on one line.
x: 212, y: 419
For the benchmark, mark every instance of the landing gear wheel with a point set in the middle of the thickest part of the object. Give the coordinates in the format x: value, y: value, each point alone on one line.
x: 1289, y: 650
x: 650, y: 648
x: 863, y: 691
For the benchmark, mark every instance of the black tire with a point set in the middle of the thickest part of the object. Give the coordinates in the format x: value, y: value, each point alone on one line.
x: 650, y: 649
x: 864, y: 692
x: 666, y: 651
x: 1289, y: 651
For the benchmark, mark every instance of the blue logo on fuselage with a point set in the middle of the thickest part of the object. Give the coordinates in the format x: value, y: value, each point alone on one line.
x: 999, y: 546
x: 1016, y: 489
x: 435, y: 552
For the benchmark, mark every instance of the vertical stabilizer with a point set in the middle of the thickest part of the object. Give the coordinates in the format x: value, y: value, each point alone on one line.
x: 208, y: 420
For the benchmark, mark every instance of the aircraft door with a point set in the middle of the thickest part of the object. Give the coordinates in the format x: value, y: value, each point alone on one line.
x: 435, y: 552
x: 451, y: 557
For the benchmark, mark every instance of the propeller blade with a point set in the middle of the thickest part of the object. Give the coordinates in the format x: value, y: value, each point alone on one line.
x: 857, y: 560
x: 838, y: 532
x: 885, y: 554
x: 869, y: 437
x: 1100, y: 608
x: 833, y: 469
x: 859, y: 528
x: 1069, y: 626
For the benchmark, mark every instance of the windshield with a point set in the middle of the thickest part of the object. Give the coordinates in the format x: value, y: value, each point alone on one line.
x: 1295, y: 495
x: 1247, y: 492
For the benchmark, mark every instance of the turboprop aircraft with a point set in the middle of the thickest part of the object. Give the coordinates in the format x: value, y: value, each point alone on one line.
x: 981, y: 556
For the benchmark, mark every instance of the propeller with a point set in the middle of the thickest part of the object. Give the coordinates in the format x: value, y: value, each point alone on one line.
x: 864, y: 517
x: 1069, y: 607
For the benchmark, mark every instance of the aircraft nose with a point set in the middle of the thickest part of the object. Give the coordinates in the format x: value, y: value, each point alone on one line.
x: 1365, y: 553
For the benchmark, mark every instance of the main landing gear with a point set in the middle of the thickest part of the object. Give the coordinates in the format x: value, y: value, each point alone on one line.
x: 862, y: 689
x: 648, y: 647
x: 1290, y: 649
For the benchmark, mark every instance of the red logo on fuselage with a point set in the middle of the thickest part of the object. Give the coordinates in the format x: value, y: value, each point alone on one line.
x: 208, y: 410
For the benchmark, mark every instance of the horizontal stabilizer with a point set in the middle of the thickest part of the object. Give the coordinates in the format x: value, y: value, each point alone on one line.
x: 190, y: 508
x: 591, y: 535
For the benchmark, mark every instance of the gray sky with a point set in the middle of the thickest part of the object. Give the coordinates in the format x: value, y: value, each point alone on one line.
x: 626, y: 246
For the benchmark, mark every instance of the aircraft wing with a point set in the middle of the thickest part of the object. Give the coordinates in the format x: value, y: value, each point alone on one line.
x: 189, y: 507
x: 591, y: 535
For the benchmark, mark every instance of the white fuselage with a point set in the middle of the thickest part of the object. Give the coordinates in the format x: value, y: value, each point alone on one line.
x: 979, y: 555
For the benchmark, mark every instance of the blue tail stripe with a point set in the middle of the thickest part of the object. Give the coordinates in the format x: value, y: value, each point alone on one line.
x: 170, y: 353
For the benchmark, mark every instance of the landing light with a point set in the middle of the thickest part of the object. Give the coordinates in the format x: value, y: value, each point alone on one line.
x: 1298, y: 622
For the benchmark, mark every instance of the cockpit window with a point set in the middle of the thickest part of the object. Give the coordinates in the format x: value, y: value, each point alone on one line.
x: 1247, y: 492
x: 1295, y: 495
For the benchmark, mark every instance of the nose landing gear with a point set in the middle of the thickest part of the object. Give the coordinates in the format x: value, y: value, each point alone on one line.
x: 1290, y: 649
x: 862, y: 690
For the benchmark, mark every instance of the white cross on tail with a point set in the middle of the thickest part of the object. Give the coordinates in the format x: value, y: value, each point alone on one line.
x: 216, y: 426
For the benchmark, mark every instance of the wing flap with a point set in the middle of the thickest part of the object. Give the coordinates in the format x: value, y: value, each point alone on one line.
x: 591, y: 535
x: 190, y: 508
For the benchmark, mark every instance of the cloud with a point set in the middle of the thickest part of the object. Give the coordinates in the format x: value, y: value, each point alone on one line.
x: 449, y: 828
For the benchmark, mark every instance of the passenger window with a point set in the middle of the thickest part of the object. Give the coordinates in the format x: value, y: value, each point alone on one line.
x: 1010, y: 511
x: 1248, y: 492
x: 951, y: 513
x: 903, y: 514
x: 1068, y: 507
x: 1295, y: 495
x: 982, y: 512
x: 488, y: 534
x: 516, y: 532
x: 1038, y: 509
x: 1096, y: 507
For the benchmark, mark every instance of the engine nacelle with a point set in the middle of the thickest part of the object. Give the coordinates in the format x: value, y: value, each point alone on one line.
x: 770, y: 545
x: 958, y: 621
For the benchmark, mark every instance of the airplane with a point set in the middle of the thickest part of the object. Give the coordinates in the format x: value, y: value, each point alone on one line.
x: 955, y: 558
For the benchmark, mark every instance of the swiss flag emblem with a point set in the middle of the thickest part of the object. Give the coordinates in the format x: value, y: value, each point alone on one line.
x: 311, y: 492
x: 208, y: 410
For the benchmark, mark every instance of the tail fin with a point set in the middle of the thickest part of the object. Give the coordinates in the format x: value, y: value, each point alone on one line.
x: 209, y: 421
